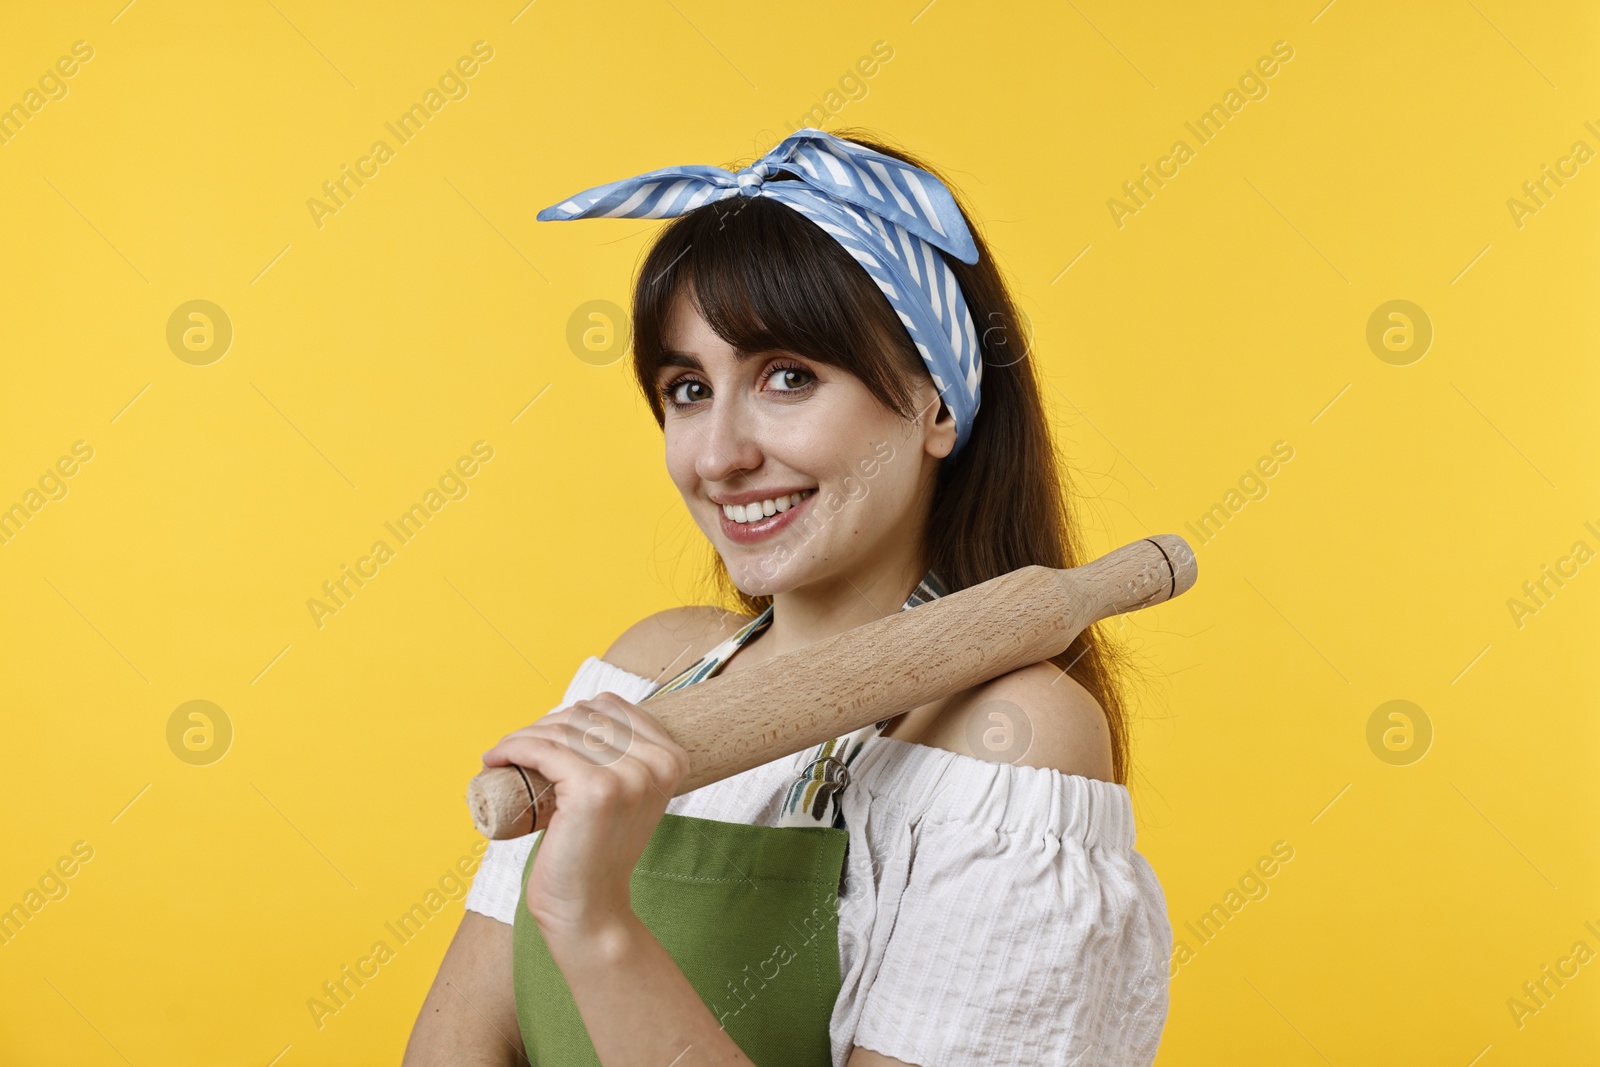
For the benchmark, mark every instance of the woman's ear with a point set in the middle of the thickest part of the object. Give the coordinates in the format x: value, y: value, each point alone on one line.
x: 940, y: 439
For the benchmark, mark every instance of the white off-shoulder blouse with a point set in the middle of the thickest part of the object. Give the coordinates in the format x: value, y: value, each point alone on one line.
x: 993, y: 914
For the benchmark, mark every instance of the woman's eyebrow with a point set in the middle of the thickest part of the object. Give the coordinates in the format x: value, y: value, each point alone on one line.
x: 673, y: 358
x: 670, y: 358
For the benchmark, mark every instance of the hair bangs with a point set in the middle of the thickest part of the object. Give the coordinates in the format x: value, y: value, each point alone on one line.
x: 765, y: 278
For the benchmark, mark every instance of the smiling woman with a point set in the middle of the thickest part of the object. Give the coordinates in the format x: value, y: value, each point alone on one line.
x: 956, y: 885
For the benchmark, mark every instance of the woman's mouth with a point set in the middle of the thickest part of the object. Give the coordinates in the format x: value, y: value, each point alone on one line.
x: 748, y: 523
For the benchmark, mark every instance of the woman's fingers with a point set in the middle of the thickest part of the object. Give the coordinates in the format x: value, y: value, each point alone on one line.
x: 639, y: 720
x: 604, y: 729
x: 604, y: 733
x: 593, y: 746
x: 605, y: 737
x: 645, y: 725
x: 581, y: 783
x: 582, y: 758
x: 602, y: 754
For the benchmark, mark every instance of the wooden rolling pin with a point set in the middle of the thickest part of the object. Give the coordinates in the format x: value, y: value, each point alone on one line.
x: 732, y: 723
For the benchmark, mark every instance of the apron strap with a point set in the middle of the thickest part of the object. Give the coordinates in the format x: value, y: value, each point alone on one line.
x: 813, y: 798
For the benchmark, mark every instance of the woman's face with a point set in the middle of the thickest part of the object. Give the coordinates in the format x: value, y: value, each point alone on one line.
x: 771, y: 425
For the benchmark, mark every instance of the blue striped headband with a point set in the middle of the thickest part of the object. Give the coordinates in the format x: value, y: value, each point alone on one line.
x: 887, y: 214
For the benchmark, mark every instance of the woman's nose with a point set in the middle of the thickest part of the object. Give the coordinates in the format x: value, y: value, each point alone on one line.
x: 728, y: 442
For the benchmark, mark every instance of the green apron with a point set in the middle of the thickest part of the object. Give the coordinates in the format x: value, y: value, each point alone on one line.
x: 749, y: 913
x: 759, y: 943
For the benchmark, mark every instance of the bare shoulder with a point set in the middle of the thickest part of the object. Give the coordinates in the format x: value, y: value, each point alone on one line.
x: 661, y: 645
x: 1036, y: 716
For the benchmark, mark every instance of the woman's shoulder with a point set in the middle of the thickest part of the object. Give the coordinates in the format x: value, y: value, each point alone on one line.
x: 659, y: 646
x: 1036, y: 716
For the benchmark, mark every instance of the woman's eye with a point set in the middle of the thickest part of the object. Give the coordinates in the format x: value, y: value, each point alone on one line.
x: 783, y: 379
x: 675, y: 393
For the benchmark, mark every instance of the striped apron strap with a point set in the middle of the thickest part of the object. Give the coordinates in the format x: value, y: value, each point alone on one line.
x: 813, y: 797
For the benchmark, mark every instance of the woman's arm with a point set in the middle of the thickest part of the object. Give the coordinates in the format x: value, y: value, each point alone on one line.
x: 469, y: 1017
x: 614, y: 768
x: 639, y: 1008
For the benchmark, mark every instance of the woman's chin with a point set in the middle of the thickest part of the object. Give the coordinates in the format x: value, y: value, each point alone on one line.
x: 758, y: 573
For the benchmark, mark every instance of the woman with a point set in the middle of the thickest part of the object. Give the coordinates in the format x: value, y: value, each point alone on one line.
x: 848, y: 412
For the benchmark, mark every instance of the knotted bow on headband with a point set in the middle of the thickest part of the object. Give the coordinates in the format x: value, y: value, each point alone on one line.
x: 887, y: 214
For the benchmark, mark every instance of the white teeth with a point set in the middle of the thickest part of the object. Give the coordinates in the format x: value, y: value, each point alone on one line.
x: 744, y: 513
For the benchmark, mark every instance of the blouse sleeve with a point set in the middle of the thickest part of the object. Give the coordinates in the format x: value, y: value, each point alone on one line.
x: 498, y: 882
x: 1017, y: 924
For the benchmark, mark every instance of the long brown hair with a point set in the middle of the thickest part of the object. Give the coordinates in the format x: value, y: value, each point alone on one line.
x: 766, y: 278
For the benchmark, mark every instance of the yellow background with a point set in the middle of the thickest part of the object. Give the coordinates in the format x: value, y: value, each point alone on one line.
x: 431, y: 310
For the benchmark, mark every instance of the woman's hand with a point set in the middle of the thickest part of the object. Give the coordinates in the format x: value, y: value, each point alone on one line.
x: 613, y: 769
